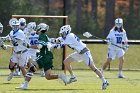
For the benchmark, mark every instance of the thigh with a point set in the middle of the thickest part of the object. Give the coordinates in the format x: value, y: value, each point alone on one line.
x: 120, y: 53
x: 76, y: 56
x: 87, y: 58
x: 111, y: 54
x: 23, y: 59
x: 14, y: 58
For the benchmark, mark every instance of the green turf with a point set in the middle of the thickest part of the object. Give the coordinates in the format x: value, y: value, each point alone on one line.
x: 87, y: 83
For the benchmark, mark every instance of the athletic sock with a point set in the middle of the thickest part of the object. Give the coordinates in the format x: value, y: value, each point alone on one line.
x: 120, y: 73
x: 103, y: 79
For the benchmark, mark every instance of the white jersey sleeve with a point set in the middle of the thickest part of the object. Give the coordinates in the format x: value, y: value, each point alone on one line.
x: 74, y: 42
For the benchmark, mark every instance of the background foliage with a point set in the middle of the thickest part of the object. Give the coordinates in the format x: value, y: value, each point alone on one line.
x: 95, y: 16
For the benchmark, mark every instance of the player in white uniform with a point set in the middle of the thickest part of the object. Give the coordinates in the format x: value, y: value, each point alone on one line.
x: 19, y: 55
x: 82, y: 53
x: 117, y: 36
x: 32, y: 38
x: 2, y: 40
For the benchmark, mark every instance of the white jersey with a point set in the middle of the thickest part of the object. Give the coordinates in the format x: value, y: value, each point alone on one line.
x: 73, y: 42
x: 18, y: 40
x: 117, y: 38
x: 32, y: 40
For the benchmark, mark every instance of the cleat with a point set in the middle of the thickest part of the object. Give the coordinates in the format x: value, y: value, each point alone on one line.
x: 63, y: 77
x: 72, y: 80
x: 120, y: 76
x: 105, y: 85
x: 23, y: 87
x: 10, y: 76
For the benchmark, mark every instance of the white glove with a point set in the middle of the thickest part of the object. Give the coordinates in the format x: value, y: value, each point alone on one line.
x: 58, y: 40
x: 126, y: 47
x: 49, y: 46
x: 108, y: 41
x: 4, y: 47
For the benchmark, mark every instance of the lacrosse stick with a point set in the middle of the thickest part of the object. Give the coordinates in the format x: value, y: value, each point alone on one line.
x: 88, y: 35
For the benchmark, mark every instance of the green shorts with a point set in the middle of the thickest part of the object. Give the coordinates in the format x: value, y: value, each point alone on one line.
x: 45, y: 62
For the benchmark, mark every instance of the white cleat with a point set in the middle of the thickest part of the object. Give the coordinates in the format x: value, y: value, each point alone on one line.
x: 63, y: 77
x: 23, y: 87
x: 72, y: 80
x: 105, y: 85
x: 10, y: 76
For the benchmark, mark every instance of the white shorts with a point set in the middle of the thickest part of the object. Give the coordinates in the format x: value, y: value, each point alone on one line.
x: 32, y: 55
x: 20, y: 59
x: 113, y: 53
x: 86, y: 57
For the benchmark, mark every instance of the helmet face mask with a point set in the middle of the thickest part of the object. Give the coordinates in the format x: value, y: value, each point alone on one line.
x: 22, y: 22
x: 119, y: 22
x: 64, y: 30
x: 31, y: 27
x: 15, y: 25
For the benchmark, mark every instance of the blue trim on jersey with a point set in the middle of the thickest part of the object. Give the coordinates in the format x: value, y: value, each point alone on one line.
x: 89, y: 60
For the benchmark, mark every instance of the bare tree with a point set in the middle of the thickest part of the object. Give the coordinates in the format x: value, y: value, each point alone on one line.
x: 78, y: 15
x: 94, y: 9
x: 109, y: 17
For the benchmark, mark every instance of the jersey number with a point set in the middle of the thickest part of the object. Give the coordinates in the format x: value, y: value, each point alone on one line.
x: 119, y: 40
x: 33, y: 42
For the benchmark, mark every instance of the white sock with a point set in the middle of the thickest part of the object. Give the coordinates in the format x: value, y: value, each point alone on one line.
x: 120, y: 73
x: 26, y: 83
x: 103, y: 79
x: 72, y: 75
x: 59, y: 75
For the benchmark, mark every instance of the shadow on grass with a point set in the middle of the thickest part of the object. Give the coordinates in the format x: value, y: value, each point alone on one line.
x: 52, y: 89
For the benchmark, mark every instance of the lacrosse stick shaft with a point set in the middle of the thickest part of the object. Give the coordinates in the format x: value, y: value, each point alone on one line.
x: 104, y: 40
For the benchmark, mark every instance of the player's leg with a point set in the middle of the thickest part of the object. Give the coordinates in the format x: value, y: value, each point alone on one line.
x: 105, y: 64
x: 28, y: 76
x: 17, y: 71
x: 89, y: 61
x: 121, y: 59
x: 11, y: 67
x: 67, y: 63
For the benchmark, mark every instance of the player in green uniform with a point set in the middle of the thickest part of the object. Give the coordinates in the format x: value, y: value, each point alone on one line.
x: 44, y: 58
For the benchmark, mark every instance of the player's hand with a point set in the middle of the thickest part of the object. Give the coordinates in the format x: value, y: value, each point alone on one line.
x: 4, y: 47
x: 126, y: 47
x: 49, y: 46
x: 58, y: 40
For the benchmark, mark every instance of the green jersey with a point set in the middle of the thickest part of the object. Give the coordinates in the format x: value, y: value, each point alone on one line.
x: 45, y: 57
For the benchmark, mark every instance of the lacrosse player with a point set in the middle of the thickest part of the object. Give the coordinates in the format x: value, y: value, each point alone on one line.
x: 19, y: 55
x: 32, y: 38
x: 82, y: 53
x: 2, y: 40
x: 116, y: 36
x: 44, y: 59
x: 22, y: 26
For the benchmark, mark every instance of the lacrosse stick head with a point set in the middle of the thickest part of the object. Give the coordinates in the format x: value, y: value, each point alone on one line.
x: 87, y: 34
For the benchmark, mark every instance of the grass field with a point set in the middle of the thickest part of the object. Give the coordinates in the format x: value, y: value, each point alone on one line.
x: 87, y: 80
x: 87, y: 83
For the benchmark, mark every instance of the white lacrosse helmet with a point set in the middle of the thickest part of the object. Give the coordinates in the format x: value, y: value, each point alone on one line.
x: 15, y: 25
x: 119, y: 22
x: 42, y: 26
x: 22, y: 22
x: 1, y: 28
x: 64, y: 30
x: 31, y: 26
x: 11, y: 20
